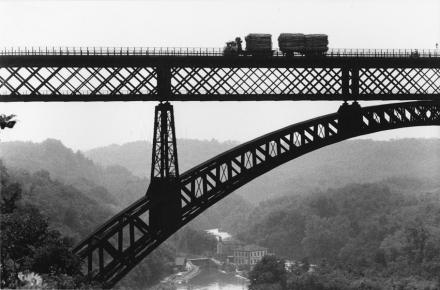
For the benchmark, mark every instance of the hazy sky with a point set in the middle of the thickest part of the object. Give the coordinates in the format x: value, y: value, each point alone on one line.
x: 209, y: 23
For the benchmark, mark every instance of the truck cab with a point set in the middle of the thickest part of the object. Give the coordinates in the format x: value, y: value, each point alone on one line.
x: 233, y: 47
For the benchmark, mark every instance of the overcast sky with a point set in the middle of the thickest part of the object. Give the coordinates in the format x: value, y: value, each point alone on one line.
x: 208, y: 23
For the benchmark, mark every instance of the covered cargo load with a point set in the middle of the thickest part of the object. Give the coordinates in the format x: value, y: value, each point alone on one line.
x: 259, y: 42
x: 291, y: 42
x: 316, y: 43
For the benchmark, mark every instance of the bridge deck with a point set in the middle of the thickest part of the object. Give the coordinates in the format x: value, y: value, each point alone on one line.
x: 205, y: 51
x: 184, y: 74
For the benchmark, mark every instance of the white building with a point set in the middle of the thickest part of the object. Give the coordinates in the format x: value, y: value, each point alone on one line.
x: 249, y: 255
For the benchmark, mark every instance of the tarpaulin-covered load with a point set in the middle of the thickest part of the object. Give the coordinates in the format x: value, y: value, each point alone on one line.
x: 290, y: 42
x: 259, y: 42
x: 316, y: 42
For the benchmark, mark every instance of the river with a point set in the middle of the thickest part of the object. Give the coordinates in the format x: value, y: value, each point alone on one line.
x: 209, y: 277
x: 214, y: 279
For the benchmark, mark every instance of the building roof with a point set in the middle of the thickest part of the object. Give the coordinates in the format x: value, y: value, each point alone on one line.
x: 251, y: 248
x: 231, y: 242
x: 180, y: 261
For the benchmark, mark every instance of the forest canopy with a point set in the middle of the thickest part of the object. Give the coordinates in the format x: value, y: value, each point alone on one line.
x: 361, y: 232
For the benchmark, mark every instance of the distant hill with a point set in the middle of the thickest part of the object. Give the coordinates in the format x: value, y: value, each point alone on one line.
x: 77, y: 195
x: 71, y: 211
x: 352, y: 161
x: 110, y: 183
x: 136, y: 156
x: 114, y: 174
x: 113, y: 184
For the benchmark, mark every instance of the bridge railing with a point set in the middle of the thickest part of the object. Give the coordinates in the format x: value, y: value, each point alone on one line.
x: 115, y: 51
x: 202, y: 51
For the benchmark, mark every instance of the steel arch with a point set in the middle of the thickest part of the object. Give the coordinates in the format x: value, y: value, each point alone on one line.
x: 122, y: 242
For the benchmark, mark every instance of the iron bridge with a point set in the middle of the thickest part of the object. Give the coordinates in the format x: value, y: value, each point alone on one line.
x: 204, y: 74
x: 173, y: 199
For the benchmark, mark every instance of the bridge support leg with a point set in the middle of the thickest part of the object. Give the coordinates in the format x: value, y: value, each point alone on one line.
x: 350, y: 118
x: 165, y: 213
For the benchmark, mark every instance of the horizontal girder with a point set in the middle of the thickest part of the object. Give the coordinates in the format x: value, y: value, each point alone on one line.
x: 117, y: 246
x: 100, y: 77
x: 201, y: 51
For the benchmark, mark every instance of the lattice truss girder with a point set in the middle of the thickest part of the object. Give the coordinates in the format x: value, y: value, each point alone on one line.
x: 78, y: 80
x: 399, y: 81
x: 117, y: 246
x: 235, y: 81
x: 216, y: 81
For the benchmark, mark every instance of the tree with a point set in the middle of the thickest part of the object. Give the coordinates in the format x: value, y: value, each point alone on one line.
x: 195, y: 242
x: 4, y: 176
x: 324, y: 237
x: 324, y: 206
x: 29, y: 246
x: 7, y: 121
x: 269, y: 273
x: 10, y: 194
x: 417, y: 237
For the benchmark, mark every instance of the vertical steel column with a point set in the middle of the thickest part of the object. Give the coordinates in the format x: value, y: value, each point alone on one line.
x: 164, y: 157
x: 164, y: 81
x: 355, y: 83
x: 165, y: 213
x: 345, y: 83
x: 350, y: 119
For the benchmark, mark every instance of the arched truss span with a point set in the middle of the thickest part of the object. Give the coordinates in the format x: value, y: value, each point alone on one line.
x: 121, y: 243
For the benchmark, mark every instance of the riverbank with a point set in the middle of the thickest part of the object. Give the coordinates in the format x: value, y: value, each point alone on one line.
x: 203, y: 274
x: 182, y: 277
x: 215, y: 279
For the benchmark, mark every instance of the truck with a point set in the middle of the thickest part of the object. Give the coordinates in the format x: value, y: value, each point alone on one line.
x: 316, y: 44
x: 256, y: 44
x: 305, y: 44
x: 291, y: 42
x: 288, y: 43
x: 259, y: 44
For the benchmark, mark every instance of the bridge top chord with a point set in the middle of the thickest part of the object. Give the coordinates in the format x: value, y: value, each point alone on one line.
x: 204, y: 51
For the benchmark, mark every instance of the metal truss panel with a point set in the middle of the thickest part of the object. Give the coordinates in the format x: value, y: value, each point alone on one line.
x: 92, y: 81
x: 122, y: 242
x: 398, y: 81
x: 254, y: 81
